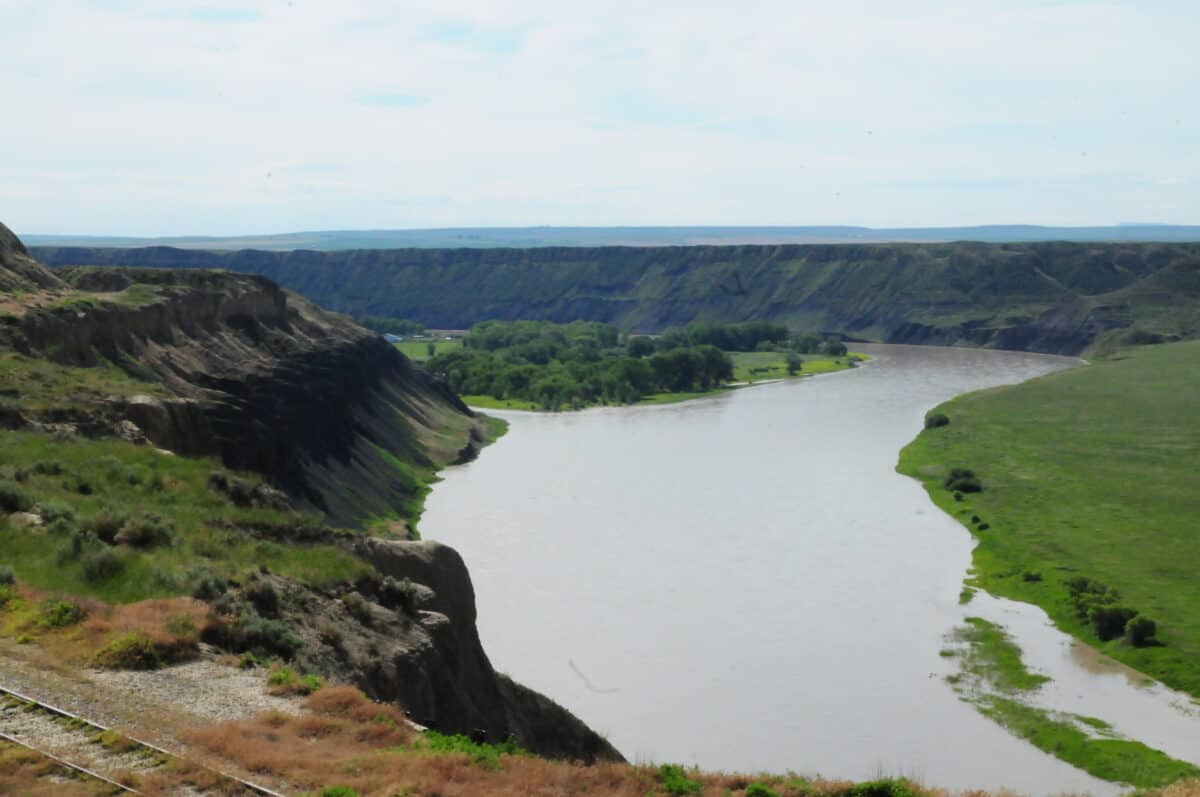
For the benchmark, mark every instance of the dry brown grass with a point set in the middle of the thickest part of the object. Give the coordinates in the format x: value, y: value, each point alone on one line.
x: 346, y: 739
x: 25, y: 772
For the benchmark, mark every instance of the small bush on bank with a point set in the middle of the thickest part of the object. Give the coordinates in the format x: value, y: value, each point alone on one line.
x: 1140, y: 631
x: 1109, y: 621
x: 133, y: 651
x: 963, y: 480
x: 14, y: 497
x: 264, y: 596
x: 59, y: 613
x: 146, y: 531
x: 283, y: 680
x: 359, y: 608
x: 209, y: 588
x: 53, y: 511
x: 7, y: 576
x: 101, y: 564
x: 760, y: 790
x: 675, y: 780
x: 936, y: 419
x: 106, y: 525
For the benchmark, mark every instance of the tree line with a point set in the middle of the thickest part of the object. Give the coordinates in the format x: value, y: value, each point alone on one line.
x: 556, y: 366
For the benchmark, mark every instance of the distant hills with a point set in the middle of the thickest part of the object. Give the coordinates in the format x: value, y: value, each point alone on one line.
x: 1062, y: 297
x: 530, y: 237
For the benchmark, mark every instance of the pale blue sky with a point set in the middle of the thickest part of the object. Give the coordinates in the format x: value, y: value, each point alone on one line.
x: 153, y: 118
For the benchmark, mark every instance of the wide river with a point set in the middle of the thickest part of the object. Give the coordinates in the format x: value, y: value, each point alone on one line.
x: 745, y: 583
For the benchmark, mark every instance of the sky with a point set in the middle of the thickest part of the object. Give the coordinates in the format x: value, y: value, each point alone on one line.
x: 125, y: 117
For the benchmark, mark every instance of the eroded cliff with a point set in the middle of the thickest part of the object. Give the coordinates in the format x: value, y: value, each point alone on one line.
x: 341, y: 425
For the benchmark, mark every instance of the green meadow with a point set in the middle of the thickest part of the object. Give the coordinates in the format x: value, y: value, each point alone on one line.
x: 1091, y: 473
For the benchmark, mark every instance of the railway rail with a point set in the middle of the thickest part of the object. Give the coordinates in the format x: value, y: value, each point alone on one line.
x: 131, y: 746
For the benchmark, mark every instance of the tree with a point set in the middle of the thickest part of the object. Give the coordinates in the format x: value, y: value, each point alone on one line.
x: 1140, y: 630
x: 640, y: 346
x: 794, y: 363
x: 431, y: 349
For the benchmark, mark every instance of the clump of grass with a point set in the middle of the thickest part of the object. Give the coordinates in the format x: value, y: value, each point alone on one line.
x: 131, y: 651
x: 60, y: 613
x: 283, y: 680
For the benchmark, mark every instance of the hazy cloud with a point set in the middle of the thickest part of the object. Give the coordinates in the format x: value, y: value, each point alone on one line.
x: 132, y: 116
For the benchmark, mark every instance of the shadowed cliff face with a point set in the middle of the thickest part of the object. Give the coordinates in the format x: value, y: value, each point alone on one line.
x: 1050, y: 297
x: 266, y: 381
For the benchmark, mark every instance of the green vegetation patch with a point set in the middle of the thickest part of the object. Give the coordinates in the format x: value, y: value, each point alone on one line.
x: 485, y: 754
x: 1087, y: 474
x: 991, y: 654
x: 41, y: 385
x: 95, y: 543
x: 1117, y: 760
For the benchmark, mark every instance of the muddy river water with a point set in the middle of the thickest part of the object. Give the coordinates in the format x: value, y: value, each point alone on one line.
x: 745, y: 583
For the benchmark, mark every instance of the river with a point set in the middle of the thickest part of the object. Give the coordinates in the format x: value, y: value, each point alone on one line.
x: 744, y: 582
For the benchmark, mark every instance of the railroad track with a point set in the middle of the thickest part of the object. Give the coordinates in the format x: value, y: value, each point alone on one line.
x: 86, y: 747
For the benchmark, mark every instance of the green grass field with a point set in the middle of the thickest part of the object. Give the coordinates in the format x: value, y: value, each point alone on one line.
x: 419, y: 349
x: 1089, y: 472
x: 756, y: 366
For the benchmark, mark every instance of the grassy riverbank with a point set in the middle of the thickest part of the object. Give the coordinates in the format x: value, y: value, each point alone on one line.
x: 1086, y: 473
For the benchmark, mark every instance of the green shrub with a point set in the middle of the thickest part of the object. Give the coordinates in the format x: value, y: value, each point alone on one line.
x: 1031, y: 576
x: 53, y: 510
x: 935, y: 419
x: 129, y: 652
x: 14, y: 497
x: 398, y: 594
x: 963, y: 480
x: 270, y: 637
x: 148, y: 530
x: 675, y: 780
x: 48, y: 469
x: 337, y: 791
x: 106, y: 524
x: 101, y: 564
x: 359, y: 608
x: 7, y: 576
x: 482, y: 753
x: 884, y: 787
x: 760, y: 790
x: 1109, y: 621
x: 59, y: 613
x: 209, y: 588
x: 1140, y: 631
x: 264, y: 597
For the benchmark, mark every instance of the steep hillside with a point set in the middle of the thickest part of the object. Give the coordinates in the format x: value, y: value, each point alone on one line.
x: 1053, y: 297
x: 193, y: 455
